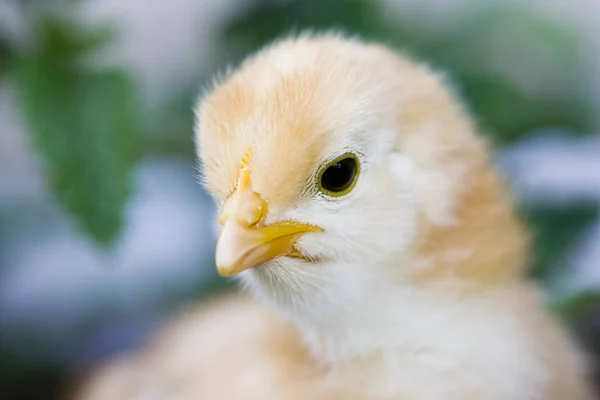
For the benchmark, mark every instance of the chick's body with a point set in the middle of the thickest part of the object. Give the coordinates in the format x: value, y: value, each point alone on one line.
x: 410, y: 285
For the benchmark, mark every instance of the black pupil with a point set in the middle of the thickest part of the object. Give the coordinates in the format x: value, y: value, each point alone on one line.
x: 339, y: 176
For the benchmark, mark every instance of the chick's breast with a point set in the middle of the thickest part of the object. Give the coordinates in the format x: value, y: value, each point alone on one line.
x: 231, y: 348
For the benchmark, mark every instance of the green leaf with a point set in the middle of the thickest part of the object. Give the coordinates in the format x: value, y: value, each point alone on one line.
x: 83, y: 124
x: 556, y: 230
x: 509, y: 114
x: 6, y: 55
x: 576, y: 307
x: 266, y: 20
x: 64, y: 41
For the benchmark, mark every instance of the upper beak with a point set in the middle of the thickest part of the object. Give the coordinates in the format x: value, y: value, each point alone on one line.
x: 246, y: 241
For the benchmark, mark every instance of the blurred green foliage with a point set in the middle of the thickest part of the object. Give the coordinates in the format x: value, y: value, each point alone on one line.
x: 557, y: 230
x: 5, y: 56
x: 82, y: 120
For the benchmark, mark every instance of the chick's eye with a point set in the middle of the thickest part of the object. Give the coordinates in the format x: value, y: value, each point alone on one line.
x: 339, y: 177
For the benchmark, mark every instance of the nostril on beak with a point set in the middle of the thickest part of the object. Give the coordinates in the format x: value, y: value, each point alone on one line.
x: 247, y: 207
x: 253, y: 209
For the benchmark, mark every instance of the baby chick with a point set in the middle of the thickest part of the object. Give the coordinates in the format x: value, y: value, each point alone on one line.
x: 359, y: 205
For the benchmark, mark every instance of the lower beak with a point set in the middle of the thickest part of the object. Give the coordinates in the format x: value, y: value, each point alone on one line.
x: 241, y: 246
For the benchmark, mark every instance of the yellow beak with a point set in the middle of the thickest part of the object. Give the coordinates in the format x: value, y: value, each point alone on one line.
x: 246, y: 241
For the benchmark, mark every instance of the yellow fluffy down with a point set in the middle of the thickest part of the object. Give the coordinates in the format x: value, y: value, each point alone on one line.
x: 230, y: 348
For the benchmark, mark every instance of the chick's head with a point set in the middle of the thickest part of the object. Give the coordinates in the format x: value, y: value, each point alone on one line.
x: 334, y: 163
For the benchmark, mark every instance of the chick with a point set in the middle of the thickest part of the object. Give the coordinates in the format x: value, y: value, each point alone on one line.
x: 360, y: 207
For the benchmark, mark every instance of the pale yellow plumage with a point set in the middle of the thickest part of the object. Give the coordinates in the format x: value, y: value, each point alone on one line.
x: 230, y: 348
x: 427, y: 246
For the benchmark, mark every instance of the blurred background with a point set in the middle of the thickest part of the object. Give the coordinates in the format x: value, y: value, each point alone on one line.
x: 104, y: 230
